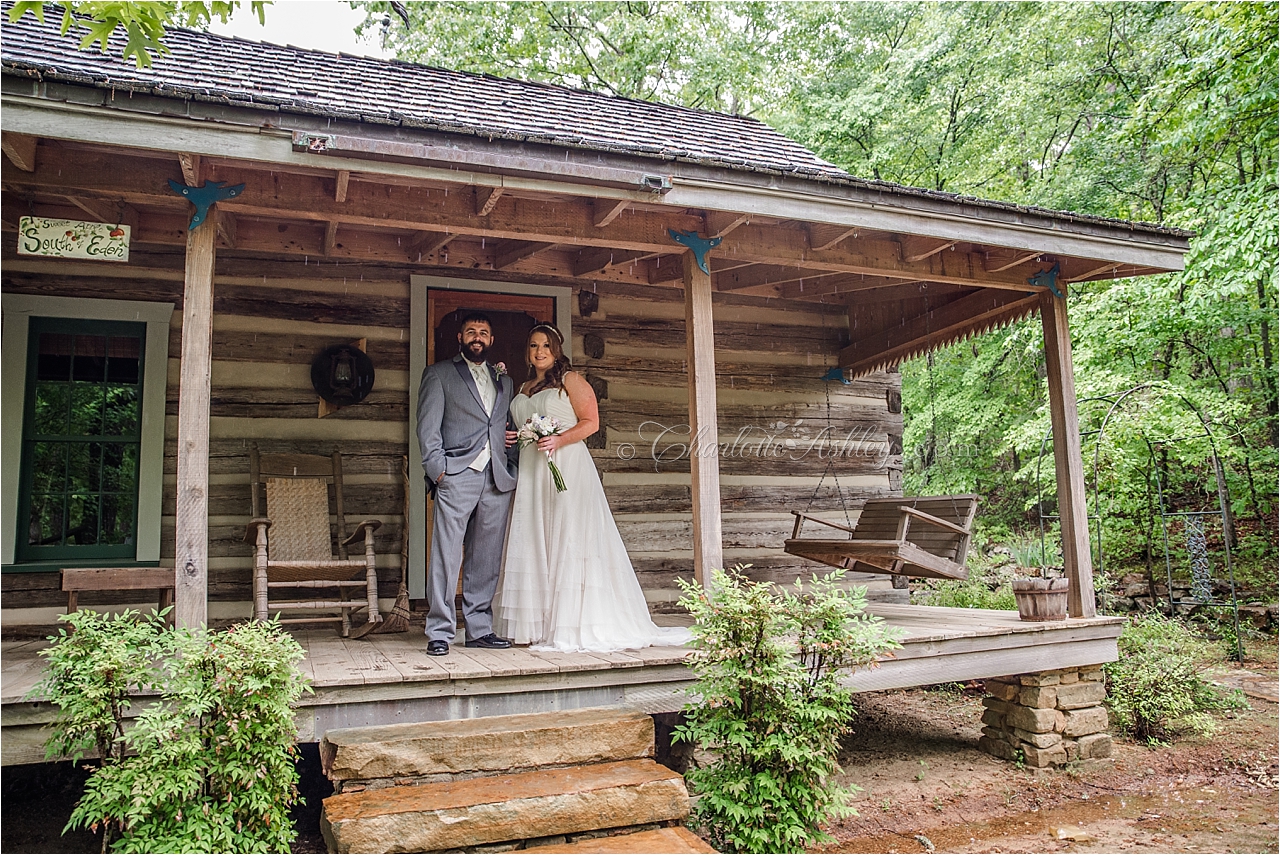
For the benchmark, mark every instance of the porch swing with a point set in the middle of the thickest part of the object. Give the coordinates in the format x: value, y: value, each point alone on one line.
x: 924, y: 536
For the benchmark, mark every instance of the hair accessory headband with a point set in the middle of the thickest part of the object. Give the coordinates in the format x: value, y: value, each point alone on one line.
x: 548, y: 328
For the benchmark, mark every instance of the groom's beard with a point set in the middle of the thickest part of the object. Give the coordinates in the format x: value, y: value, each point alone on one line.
x: 476, y: 351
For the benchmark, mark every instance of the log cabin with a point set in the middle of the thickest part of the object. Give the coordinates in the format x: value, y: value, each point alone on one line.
x: 377, y: 201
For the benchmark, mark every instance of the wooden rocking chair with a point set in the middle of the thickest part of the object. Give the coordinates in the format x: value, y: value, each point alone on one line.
x: 294, y: 546
x: 927, y: 536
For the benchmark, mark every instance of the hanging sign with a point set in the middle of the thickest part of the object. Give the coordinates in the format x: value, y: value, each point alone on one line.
x: 73, y: 239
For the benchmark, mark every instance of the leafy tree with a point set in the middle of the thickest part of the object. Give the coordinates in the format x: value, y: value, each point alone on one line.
x: 143, y: 21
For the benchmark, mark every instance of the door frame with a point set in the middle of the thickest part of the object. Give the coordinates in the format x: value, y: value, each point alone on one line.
x: 421, y: 335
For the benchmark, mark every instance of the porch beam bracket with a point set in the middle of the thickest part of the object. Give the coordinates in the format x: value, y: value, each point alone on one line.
x: 1047, y: 279
x: 698, y: 245
x: 204, y: 197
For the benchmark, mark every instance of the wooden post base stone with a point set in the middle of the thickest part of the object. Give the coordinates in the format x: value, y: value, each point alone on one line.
x: 1046, y: 719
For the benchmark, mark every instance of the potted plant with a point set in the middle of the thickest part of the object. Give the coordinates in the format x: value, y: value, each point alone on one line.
x: 1041, y: 594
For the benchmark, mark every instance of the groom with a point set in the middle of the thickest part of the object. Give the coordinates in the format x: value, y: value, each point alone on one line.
x: 462, y: 419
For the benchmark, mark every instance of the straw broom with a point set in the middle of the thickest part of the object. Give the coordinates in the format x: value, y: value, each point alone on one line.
x: 398, y: 620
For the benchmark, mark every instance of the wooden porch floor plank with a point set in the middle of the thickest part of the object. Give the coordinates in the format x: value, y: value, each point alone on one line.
x: 22, y: 670
x: 574, y: 661
x: 460, y: 666
x: 618, y: 659
x: 372, y: 664
x: 332, y: 664
x: 407, y: 652
x: 513, y: 662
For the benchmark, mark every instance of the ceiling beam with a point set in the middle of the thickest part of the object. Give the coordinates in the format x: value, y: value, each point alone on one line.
x: 330, y: 238
x: 20, y: 149
x: 340, y: 185
x: 837, y: 285
x: 606, y: 211
x: 518, y: 250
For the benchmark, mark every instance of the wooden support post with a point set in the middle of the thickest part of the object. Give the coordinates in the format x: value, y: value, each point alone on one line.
x: 704, y: 430
x: 1072, y: 510
x: 191, y: 557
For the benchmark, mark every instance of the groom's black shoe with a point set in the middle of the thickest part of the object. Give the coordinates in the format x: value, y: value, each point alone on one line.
x: 489, y: 642
x: 437, y: 648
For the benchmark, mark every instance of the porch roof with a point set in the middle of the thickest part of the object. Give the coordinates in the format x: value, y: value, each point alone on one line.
x: 216, y: 69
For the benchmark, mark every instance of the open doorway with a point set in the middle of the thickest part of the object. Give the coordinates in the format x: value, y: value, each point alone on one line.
x: 437, y: 306
x: 512, y: 317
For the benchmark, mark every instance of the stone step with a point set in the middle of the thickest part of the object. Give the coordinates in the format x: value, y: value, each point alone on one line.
x: 438, y: 749
x: 676, y: 840
x: 502, y: 808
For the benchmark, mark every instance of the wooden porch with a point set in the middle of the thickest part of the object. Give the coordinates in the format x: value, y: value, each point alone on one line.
x: 390, y: 679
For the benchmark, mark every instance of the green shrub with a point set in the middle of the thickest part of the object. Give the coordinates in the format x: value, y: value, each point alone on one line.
x: 770, y: 705
x: 210, y: 767
x: 1155, y: 690
x: 986, y: 588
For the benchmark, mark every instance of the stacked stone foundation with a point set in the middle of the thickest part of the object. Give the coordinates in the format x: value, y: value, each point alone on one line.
x: 1048, y: 718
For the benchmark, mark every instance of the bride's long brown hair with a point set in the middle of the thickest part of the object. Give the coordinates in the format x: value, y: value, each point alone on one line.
x: 554, y: 378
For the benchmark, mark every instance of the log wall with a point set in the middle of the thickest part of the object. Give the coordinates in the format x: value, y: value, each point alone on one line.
x: 272, y: 317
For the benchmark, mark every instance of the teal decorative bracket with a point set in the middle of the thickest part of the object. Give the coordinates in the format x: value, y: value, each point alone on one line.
x: 204, y: 196
x: 836, y: 373
x: 700, y: 246
x: 1048, y: 279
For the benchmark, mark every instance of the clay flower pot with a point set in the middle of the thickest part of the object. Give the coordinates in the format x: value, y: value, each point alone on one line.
x: 1041, y: 599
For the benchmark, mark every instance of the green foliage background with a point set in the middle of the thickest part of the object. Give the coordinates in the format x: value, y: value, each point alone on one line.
x: 1163, y: 112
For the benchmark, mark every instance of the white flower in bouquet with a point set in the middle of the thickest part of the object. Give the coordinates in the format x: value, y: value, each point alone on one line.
x: 535, y: 428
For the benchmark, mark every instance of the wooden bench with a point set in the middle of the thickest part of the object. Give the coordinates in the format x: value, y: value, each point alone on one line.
x: 77, y: 579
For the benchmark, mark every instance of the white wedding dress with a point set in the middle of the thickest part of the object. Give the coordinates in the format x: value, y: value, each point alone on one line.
x: 567, y: 583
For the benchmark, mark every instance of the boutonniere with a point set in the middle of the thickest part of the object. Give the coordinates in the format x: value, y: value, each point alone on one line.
x: 500, y: 368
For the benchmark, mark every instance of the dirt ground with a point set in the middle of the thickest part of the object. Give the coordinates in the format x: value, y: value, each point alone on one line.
x: 926, y: 787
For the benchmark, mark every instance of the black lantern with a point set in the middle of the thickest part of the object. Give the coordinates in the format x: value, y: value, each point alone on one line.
x: 342, y: 375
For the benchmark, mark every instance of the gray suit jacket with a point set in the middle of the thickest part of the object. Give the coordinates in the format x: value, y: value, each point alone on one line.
x: 453, y: 426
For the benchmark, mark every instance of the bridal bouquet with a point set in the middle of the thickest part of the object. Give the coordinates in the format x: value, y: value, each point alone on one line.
x: 534, y: 429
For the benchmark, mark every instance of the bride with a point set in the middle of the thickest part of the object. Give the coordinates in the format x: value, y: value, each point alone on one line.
x: 567, y: 583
